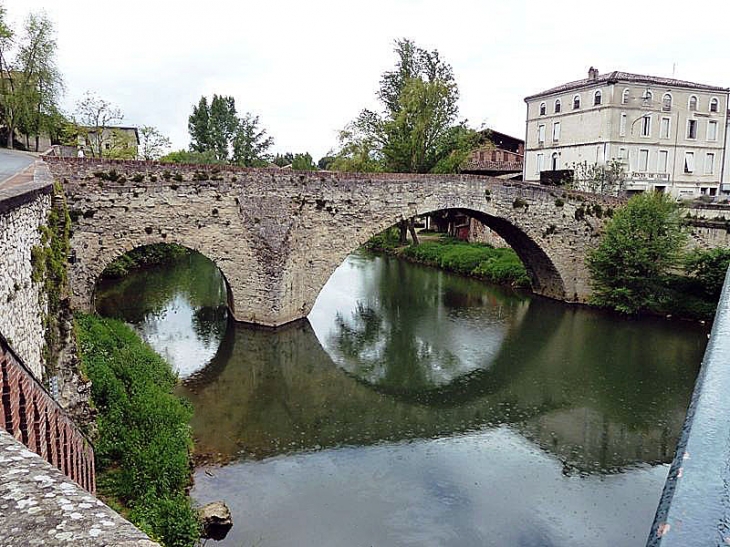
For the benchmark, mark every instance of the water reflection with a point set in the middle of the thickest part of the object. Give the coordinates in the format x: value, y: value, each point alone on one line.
x: 179, y: 309
x: 449, y: 412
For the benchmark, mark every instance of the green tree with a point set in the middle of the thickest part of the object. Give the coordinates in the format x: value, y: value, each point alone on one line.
x: 303, y: 162
x: 282, y: 160
x: 216, y: 127
x: 250, y: 143
x: 188, y: 156
x: 418, y: 130
x: 152, y: 143
x: 642, y: 243
x: 30, y: 83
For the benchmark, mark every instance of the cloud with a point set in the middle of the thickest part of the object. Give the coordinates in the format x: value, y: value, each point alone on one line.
x: 307, y: 68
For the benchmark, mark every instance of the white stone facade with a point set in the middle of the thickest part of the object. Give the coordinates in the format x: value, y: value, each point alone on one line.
x: 670, y: 135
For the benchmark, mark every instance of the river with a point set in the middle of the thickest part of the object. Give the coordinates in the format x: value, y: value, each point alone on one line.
x: 420, y: 408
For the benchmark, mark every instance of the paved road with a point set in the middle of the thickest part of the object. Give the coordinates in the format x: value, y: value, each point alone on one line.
x: 13, y: 162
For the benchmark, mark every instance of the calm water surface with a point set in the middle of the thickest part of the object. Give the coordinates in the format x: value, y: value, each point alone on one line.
x: 420, y: 408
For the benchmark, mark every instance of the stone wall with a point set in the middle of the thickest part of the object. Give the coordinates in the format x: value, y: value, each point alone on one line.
x: 23, y: 210
x: 277, y: 236
x: 39, y: 506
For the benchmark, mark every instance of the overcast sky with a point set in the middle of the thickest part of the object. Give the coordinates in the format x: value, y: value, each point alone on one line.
x: 308, y: 67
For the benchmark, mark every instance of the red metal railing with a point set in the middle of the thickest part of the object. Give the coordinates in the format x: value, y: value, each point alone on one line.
x: 33, y: 417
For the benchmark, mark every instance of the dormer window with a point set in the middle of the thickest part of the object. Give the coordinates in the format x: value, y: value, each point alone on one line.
x: 597, y: 98
x: 543, y: 108
x: 693, y: 103
x: 576, y: 102
x: 714, y: 104
x: 667, y: 102
x: 557, y: 106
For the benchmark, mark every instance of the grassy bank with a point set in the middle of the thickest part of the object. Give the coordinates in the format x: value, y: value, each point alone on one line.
x: 478, y: 260
x: 144, y: 257
x: 144, y: 444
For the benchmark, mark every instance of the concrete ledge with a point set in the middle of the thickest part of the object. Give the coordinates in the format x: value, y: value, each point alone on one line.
x: 694, y: 509
x: 40, y: 506
x: 13, y: 196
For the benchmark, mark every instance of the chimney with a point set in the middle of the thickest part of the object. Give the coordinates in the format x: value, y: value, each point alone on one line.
x: 592, y: 73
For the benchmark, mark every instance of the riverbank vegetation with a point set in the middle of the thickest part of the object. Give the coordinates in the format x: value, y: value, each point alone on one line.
x: 144, y: 444
x: 144, y: 257
x: 641, y: 264
x: 478, y: 260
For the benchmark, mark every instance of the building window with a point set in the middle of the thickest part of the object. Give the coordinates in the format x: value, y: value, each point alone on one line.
x: 576, y: 102
x: 662, y: 161
x: 712, y: 130
x: 557, y: 106
x: 543, y: 108
x: 665, y: 130
x: 556, y: 131
x: 709, y: 163
x: 646, y: 126
x: 689, y: 162
x: 691, y: 129
x: 625, y: 97
x: 622, y: 125
x: 693, y: 103
x: 622, y: 157
x: 597, y: 98
x: 539, y: 163
x: 667, y: 102
x: 647, y: 97
x: 554, y: 161
x: 541, y: 133
x: 600, y: 154
x: 714, y: 104
x: 643, y: 160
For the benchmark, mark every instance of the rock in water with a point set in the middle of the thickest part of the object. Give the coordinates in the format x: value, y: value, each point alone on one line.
x: 216, y: 519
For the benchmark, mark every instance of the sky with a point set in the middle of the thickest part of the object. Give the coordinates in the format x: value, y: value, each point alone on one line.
x: 308, y: 68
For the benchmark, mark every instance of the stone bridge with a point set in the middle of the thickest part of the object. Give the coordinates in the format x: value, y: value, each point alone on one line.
x: 278, y: 235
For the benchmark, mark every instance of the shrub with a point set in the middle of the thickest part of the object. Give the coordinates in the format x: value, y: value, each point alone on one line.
x: 709, y: 268
x: 144, y: 443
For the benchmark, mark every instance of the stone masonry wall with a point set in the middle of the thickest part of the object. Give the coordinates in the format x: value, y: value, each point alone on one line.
x: 277, y: 236
x: 22, y: 210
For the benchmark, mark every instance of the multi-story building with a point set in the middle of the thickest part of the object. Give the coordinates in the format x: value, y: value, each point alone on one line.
x: 670, y: 135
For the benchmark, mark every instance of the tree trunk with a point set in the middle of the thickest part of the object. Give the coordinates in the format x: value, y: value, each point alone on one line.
x: 403, y: 232
x: 412, y: 229
x: 37, y: 138
x: 11, y: 130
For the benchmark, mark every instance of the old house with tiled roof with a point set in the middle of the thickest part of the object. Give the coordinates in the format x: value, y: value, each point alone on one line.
x: 670, y: 135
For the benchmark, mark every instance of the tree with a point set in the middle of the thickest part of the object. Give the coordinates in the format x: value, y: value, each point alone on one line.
x: 709, y: 267
x: 609, y: 178
x: 282, y: 160
x: 30, y: 83
x: 418, y: 130
x: 303, y: 162
x: 250, y: 143
x: 641, y: 244
x: 217, y: 128
x: 95, y: 118
x: 152, y: 143
x: 188, y: 156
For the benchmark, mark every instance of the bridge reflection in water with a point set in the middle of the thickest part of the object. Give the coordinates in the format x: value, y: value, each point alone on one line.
x: 428, y: 401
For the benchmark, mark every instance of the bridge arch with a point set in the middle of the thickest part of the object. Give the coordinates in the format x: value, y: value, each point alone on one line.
x: 115, y: 253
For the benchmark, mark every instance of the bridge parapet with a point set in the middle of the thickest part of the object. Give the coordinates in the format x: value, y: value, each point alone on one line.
x: 694, y: 510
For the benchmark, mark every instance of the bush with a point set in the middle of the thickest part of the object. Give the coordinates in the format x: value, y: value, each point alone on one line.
x: 642, y: 243
x: 709, y: 268
x: 475, y: 259
x: 144, y: 443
